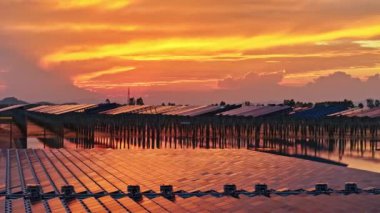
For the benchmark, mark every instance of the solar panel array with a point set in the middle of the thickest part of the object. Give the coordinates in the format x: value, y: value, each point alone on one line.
x: 160, y: 109
x: 61, y: 109
x: 240, y: 110
x: 12, y: 107
x: 101, y: 108
x: 360, y: 112
x: 183, y: 110
x: 201, y: 110
x: 256, y: 111
x: 126, y: 109
x: 320, y: 111
x: 371, y: 113
x: 347, y: 112
x: 102, y: 172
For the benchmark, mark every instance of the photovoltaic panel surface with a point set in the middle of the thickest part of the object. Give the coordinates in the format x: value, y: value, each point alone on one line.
x: 105, y: 171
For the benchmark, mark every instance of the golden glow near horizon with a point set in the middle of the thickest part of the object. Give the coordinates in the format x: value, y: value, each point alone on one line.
x: 102, y: 4
x: 107, y: 46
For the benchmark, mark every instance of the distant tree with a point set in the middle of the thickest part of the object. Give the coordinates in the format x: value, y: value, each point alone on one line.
x: 303, y: 104
x: 171, y: 104
x: 132, y: 101
x: 345, y: 102
x: 140, y: 101
x: 290, y: 103
x: 370, y: 103
x: 377, y: 103
x: 163, y: 104
x: 349, y: 103
x: 361, y: 105
x: 247, y: 103
x: 222, y: 103
x: 108, y: 101
x: 308, y: 104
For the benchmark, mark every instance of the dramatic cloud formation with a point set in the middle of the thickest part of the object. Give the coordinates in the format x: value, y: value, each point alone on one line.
x: 336, y: 86
x: 24, y: 79
x: 189, y: 51
x: 264, y: 88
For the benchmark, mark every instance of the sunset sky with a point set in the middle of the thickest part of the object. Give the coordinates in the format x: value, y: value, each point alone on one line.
x: 199, y: 51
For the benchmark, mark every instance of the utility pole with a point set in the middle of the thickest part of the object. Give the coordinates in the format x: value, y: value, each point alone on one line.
x: 129, y: 95
x: 10, y: 133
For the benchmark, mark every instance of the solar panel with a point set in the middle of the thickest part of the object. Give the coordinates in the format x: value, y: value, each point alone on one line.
x: 240, y: 110
x: 131, y: 205
x: 62, y: 109
x: 201, y: 111
x: 18, y: 205
x: 73, y: 108
x: 320, y: 111
x: 76, y: 205
x: 92, y: 174
x: 108, y: 173
x: 150, y: 110
x: 152, y: 206
x: 182, y: 109
x: 35, y: 109
x: 2, y: 204
x: 49, y: 169
x: 264, y: 111
x: 347, y: 112
x: 188, y: 170
x: 354, y: 112
x: 3, y: 163
x: 67, y: 176
x: 56, y: 205
x: 166, y: 109
x: 38, y: 206
x: 49, y: 109
x: 372, y: 113
x: 82, y: 177
x: 40, y: 172
x: 12, y: 107
x: 191, y: 205
x: 38, y: 108
x: 14, y: 174
x: 125, y: 109
x: 111, y: 204
x: 93, y: 205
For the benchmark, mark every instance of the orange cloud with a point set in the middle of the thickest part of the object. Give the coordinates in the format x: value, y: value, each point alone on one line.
x: 84, y: 80
x: 198, y: 48
x: 102, y: 4
x: 105, y: 85
x: 307, y: 77
x: 369, y: 43
x: 75, y: 27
